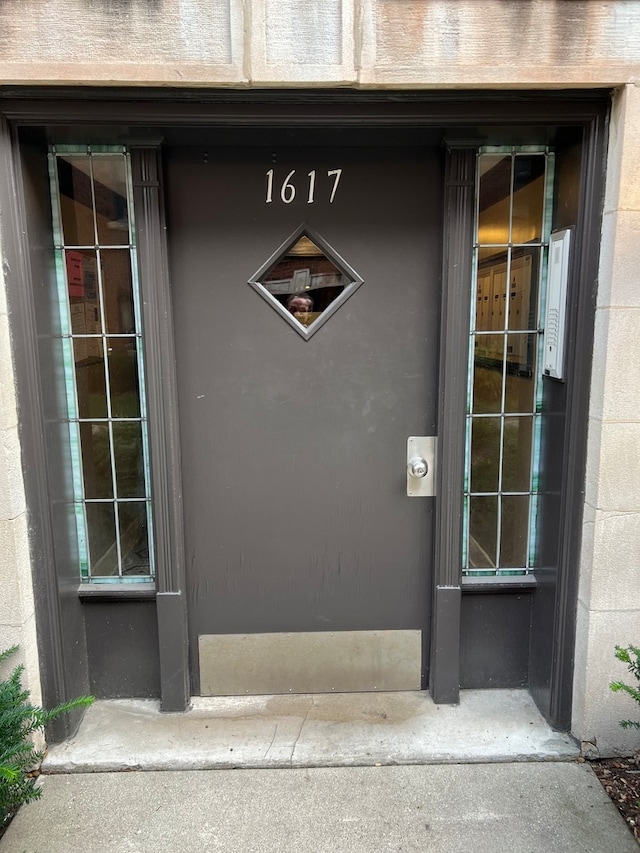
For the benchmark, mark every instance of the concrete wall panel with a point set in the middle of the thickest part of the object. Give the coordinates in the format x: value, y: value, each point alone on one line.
x: 396, y: 43
x: 294, y: 41
x: 16, y: 587
x: 12, y: 502
x: 625, y: 178
x: 616, y: 552
x: 498, y: 42
x: 17, y: 614
x: 596, y: 706
x: 135, y: 41
x: 8, y: 413
x: 621, y: 356
x: 619, y: 280
x: 24, y: 636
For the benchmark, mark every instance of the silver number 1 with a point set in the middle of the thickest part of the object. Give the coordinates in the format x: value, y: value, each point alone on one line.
x: 269, y: 186
x: 312, y: 185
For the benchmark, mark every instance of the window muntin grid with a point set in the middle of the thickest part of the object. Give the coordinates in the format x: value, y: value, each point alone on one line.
x: 100, y: 326
x: 512, y: 227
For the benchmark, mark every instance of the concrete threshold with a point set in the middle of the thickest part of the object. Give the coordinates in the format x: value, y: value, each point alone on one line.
x: 336, y: 730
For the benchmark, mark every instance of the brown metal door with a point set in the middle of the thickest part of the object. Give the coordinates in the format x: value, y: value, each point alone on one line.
x: 294, y: 449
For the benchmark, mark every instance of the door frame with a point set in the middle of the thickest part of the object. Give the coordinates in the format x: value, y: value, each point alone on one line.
x: 459, y: 197
x: 100, y: 114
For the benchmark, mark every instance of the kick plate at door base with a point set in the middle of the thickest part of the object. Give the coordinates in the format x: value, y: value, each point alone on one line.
x: 421, y: 455
x: 310, y: 662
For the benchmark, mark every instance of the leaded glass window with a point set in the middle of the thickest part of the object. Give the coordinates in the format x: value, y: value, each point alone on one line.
x: 100, y: 325
x: 505, y: 391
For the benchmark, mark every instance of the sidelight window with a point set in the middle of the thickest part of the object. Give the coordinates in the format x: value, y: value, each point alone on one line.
x: 513, y: 216
x: 100, y: 328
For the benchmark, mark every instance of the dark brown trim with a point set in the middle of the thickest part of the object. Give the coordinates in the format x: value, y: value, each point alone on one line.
x: 110, y: 111
x: 580, y: 333
x: 58, y: 683
x: 164, y: 437
x: 444, y: 671
x: 169, y: 107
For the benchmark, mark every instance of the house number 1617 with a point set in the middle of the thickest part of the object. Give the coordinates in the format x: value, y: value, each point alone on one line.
x: 288, y: 188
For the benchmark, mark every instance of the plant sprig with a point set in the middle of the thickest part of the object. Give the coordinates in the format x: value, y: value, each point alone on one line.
x: 19, y: 720
x: 631, y: 656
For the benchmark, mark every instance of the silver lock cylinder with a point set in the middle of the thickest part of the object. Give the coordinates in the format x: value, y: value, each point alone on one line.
x: 418, y: 467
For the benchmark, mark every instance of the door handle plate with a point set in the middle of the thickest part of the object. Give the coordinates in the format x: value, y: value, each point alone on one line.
x: 421, y: 447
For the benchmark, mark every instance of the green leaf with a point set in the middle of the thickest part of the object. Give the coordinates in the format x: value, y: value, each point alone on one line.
x: 19, y: 720
x: 631, y: 656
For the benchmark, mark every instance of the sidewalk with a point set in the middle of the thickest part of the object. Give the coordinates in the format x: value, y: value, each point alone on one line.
x: 539, y: 807
x: 337, y: 773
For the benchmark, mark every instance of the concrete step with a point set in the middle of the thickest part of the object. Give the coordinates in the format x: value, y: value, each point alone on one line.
x: 336, y: 730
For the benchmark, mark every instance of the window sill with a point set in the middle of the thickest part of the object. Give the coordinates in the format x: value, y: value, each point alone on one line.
x: 497, y: 583
x: 119, y: 591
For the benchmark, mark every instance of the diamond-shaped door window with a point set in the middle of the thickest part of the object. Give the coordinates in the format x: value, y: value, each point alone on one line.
x: 306, y: 281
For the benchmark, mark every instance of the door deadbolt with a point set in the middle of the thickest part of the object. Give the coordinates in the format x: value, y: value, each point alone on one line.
x: 418, y: 467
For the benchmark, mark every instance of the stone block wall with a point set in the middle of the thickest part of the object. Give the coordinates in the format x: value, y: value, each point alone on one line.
x: 392, y: 43
x: 17, y: 613
x: 609, y: 592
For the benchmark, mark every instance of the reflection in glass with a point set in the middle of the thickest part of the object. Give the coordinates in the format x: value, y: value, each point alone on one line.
x: 514, y: 534
x: 485, y: 454
x: 96, y: 460
x: 491, y: 277
x: 487, y: 374
x: 101, y: 527
x: 129, y: 459
x: 497, y: 195
x: 506, y: 276
x: 494, y: 198
x: 82, y: 285
x: 489, y: 349
x: 90, y: 378
x: 134, y: 542
x: 483, y: 532
x: 528, y: 197
x: 117, y: 289
x: 123, y: 377
x: 521, y: 366
x: 110, y: 188
x: 516, y: 462
x: 523, y: 288
x: 76, y: 200
x: 305, y: 281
